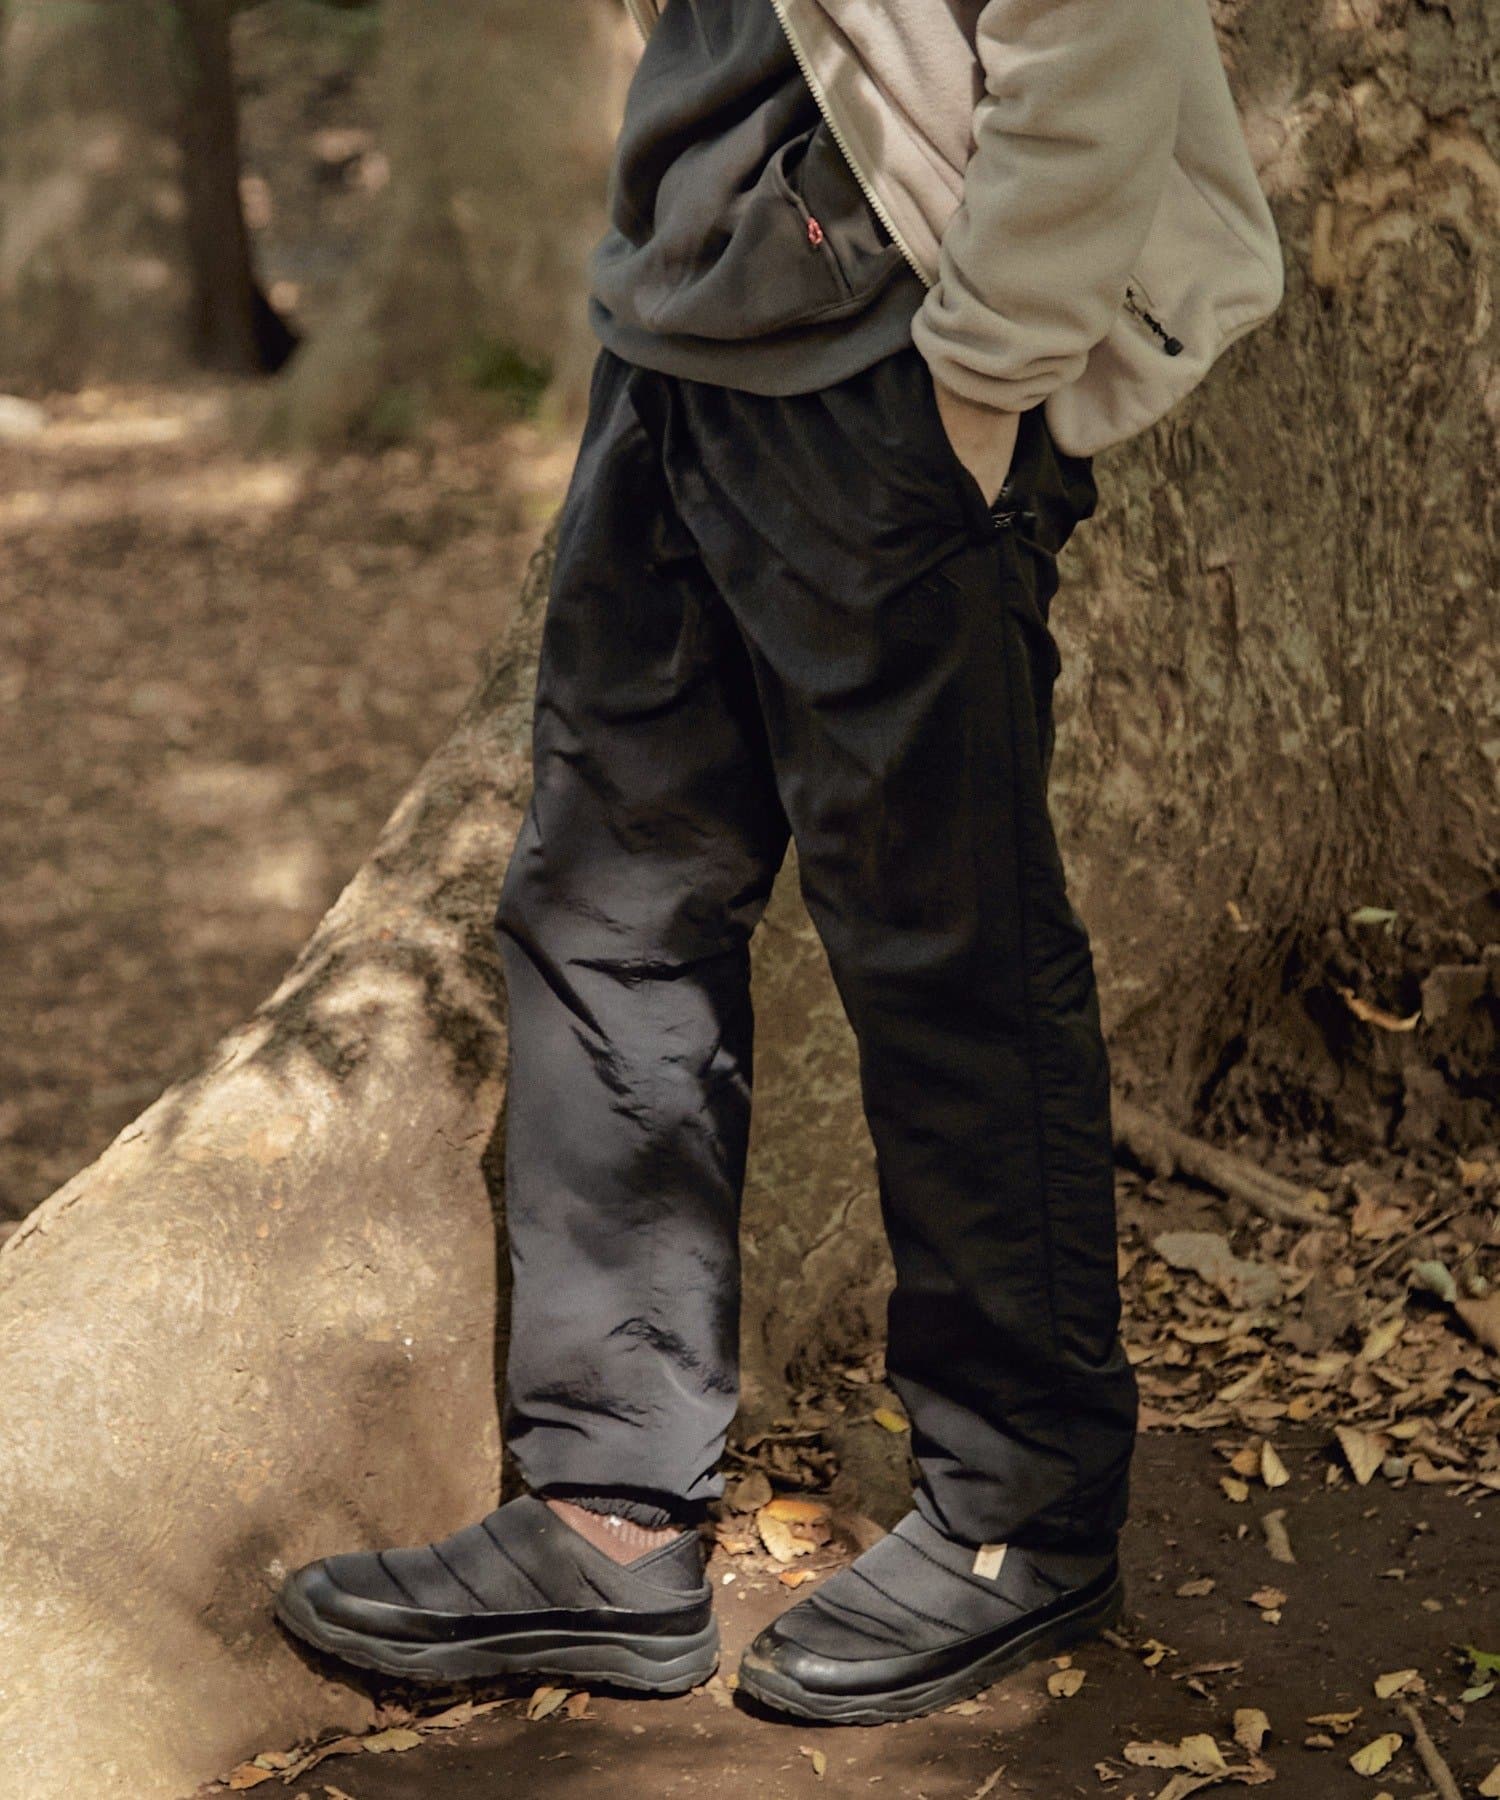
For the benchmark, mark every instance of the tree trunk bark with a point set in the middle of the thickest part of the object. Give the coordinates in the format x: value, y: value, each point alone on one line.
x: 123, y: 251
x: 267, y: 1323
x: 234, y: 328
x: 1282, y: 663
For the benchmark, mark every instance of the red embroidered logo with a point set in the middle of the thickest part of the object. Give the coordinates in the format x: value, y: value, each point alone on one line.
x: 814, y: 231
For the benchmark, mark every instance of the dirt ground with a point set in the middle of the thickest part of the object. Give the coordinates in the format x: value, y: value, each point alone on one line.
x: 217, y: 675
x: 1381, y: 1584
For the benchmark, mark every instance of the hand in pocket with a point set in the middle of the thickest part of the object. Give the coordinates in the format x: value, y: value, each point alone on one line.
x: 983, y: 438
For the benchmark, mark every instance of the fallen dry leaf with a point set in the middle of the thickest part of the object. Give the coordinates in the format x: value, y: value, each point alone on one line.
x: 1182, y: 1785
x: 1377, y: 1754
x: 1364, y: 1451
x: 1236, y: 1490
x: 545, y: 1701
x: 1197, y: 1589
x: 1273, y: 1471
x: 1198, y: 1754
x: 1482, y: 1318
x: 779, y: 1537
x: 248, y: 1775
x: 890, y: 1420
x: 796, y: 1511
x: 1435, y: 1277
x: 1398, y: 1681
x: 576, y: 1706
x: 461, y: 1714
x: 1374, y: 1218
x: 344, y: 1746
x: 1237, y: 1390
x: 1268, y: 1599
x: 817, y: 1758
x: 1207, y: 1255
x: 394, y: 1738
x: 1338, y: 1722
x: 795, y: 1577
x: 1251, y: 1728
x: 1490, y: 1786
x: 1279, y: 1545
x: 1382, y: 1339
x: 1062, y: 1684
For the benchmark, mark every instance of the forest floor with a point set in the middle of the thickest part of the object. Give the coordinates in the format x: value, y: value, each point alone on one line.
x: 218, y: 673
x: 1383, y: 1583
x: 1311, y: 1551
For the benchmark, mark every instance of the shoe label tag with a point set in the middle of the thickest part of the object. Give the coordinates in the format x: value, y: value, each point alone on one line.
x: 987, y: 1560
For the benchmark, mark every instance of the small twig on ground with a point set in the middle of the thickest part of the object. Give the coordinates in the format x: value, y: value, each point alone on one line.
x: 1408, y: 1239
x: 1167, y: 1151
x: 1438, y: 1771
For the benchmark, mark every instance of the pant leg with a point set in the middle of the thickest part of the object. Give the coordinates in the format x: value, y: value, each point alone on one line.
x: 900, y: 643
x: 645, y: 859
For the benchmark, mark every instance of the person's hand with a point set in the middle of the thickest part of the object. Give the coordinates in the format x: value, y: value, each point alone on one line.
x: 983, y: 438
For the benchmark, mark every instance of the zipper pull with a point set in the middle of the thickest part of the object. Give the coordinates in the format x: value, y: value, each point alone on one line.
x: 1171, y: 345
x: 814, y: 231
x: 1010, y: 509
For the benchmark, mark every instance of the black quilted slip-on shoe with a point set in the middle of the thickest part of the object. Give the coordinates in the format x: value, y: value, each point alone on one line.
x: 918, y: 1621
x: 519, y: 1593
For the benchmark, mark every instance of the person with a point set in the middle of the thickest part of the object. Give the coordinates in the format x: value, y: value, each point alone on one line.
x: 881, y: 277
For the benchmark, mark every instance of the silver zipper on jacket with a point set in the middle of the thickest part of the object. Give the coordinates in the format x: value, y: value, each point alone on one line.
x: 1171, y: 345
x: 647, y: 12
x: 877, y: 205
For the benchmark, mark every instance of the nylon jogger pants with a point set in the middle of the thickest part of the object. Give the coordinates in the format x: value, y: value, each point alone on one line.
x: 796, y: 617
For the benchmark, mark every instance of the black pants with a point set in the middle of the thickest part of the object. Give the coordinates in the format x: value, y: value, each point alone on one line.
x: 777, y: 616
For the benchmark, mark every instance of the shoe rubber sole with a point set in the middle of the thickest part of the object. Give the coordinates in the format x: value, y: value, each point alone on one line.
x: 779, y: 1692
x: 645, y: 1664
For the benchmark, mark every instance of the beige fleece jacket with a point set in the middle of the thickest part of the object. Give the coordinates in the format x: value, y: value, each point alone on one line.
x: 1070, y: 179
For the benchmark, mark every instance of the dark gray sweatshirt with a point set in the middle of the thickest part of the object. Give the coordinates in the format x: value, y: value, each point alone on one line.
x: 740, y: 249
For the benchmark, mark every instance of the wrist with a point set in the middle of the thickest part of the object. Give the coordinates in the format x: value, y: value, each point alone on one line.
x: 983, y: 437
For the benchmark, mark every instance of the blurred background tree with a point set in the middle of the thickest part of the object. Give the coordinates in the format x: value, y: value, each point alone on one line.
x: 124, y: 249
x: 94, y: 270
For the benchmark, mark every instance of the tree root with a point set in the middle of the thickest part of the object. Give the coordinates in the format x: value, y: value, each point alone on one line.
x: 1438, y: 1772
x: 1167, y: 1151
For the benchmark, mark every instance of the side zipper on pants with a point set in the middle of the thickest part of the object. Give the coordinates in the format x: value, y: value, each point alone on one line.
x: 1008, y: 510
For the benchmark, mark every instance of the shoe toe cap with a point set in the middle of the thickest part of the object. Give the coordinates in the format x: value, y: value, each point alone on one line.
x: 778, y: 1660
x: 309, y: 1597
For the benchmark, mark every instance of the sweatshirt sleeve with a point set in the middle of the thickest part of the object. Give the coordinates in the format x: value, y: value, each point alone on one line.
x: 1073, y: 136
